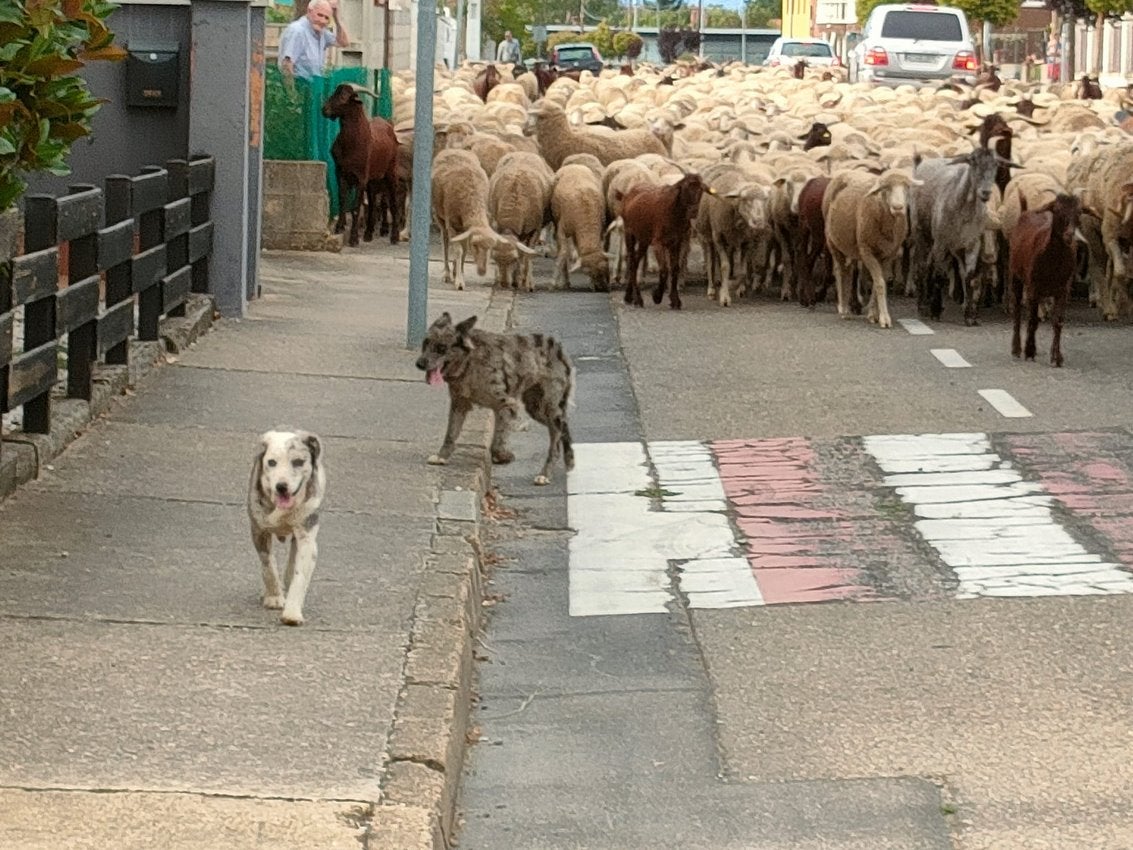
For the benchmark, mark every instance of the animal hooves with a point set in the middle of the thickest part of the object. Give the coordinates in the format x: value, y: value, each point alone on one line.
x: 435, y: 460
x: 292, y: 619
x: 274, y: 603
x: 542, y: 480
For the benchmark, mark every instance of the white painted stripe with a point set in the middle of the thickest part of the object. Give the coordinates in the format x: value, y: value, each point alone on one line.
x: 1005, y: 403
x: 996, y: 531
x: 915, y: 326
x: 623, y: 546
x: 951, y: 358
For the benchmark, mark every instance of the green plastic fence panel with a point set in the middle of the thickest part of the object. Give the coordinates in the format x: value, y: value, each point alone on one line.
x: 384, y: 87
x: 294, y: 126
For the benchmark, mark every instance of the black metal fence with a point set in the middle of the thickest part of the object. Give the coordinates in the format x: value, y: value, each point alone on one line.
x: 99, y: 267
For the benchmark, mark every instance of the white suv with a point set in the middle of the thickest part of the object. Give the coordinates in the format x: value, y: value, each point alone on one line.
x: 913, y: 43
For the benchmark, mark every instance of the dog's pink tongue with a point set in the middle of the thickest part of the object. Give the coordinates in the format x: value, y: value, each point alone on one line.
x: 434, y: 377
x: 283, y: 502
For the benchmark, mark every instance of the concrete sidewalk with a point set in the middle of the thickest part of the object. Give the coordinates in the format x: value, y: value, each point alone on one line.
x: 146, y: 699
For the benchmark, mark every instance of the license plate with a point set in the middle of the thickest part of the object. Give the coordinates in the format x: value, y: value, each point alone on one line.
x: 920, y: 57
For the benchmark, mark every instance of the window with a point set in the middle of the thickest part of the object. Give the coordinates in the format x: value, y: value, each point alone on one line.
x: 921, y: 26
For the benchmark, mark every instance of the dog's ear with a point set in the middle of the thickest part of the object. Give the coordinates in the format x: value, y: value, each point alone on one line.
x: 443, y: 322
x: 314, y: 446
x: 257, y: 483
x: 462, y: 331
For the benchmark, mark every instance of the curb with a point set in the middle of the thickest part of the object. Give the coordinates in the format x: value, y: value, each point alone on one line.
x: 23, y: 456
x: 427, y: 747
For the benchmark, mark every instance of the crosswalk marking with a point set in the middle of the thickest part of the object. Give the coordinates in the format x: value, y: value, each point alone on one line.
x: 999, y: 554
x: 758, y: 522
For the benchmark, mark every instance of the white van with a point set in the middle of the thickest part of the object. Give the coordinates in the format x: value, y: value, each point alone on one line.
x: 914, y: 43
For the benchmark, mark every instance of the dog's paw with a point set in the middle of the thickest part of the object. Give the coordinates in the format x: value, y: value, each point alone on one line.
x: 436, y: 460
x: 542, y: 480
x: 291, y: 619
x: 502, y: 456
x: 275, y: 603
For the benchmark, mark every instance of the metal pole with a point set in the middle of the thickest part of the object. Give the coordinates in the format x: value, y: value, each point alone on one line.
x: 743, y: 32
x: 422, y: 174
x: 460, y: 15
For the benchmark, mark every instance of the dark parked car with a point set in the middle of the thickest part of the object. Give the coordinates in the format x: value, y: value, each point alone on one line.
x: 577, y: 56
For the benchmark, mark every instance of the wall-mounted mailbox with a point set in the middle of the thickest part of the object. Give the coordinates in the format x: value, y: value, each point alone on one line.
x: 153, y: 70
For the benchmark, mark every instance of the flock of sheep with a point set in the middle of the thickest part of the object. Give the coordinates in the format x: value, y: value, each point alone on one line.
x: 806, y: 181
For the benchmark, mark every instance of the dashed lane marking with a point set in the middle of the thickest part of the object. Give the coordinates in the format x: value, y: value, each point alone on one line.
x: 915, y: 326
x: 951, y: 358
x: 1005, y: 403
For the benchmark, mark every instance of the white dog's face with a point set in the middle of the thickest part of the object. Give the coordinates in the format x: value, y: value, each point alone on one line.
x: 287, y: 466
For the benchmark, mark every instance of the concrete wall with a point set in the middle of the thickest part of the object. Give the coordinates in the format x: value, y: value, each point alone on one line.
x: 126, y: 138
x: 296, y: 206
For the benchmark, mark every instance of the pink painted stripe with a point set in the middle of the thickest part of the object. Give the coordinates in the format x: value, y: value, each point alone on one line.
x: 1088, y: 473
x: 797, y: 539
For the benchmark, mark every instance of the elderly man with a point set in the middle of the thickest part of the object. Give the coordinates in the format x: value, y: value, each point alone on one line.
x: 303, y: 45
x: 508, y: 51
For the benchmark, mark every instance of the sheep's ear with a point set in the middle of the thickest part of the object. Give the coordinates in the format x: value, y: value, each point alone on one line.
x: 735, y: 193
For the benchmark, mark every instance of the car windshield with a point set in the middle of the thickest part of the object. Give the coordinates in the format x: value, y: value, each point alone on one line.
x: 573, y: 54
x: 922, y: 26
x: 800, y: 49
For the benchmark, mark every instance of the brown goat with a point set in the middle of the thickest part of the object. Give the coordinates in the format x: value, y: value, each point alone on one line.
x: 365, y: 157
x: 659, y: 217
x: 486, y: 80
x: 1042, y: 266
x: 1088, y: 88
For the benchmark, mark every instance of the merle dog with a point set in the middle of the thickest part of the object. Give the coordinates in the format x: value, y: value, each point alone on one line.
x: 500, y: 372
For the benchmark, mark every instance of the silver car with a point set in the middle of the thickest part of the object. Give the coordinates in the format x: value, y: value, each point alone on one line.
x: 914, y: 43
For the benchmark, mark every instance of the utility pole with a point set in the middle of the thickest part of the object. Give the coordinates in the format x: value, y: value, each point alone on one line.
x: 700, y: 29
x: 422, y: 174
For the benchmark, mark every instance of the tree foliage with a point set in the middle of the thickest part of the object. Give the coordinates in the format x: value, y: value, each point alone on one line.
x: 760, y: 13
x: 627, y: 44
x: 44, y: 107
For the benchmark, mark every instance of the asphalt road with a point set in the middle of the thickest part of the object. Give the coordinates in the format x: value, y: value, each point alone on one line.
x: 924, y: 720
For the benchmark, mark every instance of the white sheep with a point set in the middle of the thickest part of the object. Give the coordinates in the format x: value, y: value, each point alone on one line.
x: 866, y: 222
x: 558, y: 140
x: 519, y: 195
x: 579, y: 208
x: 460, y: 210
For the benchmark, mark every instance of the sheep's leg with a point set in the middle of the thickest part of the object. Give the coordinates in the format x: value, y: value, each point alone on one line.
x: 842, y: 282
x: 674, y: 280
x: 727, y: 258
x: 708, y: 245
x: 458, y: 264
x: 972, y: 290
x: 878, y: 302
x: 562, y: 262
x: 343, y: 198
x: 445, y: 251
x: 662, y: 275
x: 1058, y: 310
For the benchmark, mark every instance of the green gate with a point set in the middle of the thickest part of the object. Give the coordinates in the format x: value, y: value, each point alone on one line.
x: 294, y: 126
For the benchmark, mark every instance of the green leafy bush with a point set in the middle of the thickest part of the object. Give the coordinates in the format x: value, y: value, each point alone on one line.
x: 44, y: 107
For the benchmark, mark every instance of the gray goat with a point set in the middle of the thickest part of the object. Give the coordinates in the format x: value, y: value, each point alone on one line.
x: 948, y: 216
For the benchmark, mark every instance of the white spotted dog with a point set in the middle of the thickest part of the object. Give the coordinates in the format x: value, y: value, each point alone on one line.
x: 284, y: 496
